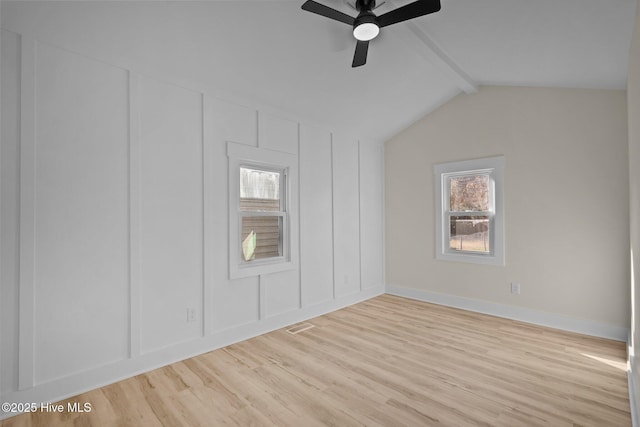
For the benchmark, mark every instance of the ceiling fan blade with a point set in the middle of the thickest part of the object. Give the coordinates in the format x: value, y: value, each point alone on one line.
x: 409, y: 11
x: 360, y: 57
x: 326, y: 11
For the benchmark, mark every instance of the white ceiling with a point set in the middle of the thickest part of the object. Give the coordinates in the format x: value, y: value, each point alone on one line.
x: 272, y: 53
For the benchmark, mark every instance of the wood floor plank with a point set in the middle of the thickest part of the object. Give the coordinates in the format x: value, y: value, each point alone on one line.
x: 388, y: 361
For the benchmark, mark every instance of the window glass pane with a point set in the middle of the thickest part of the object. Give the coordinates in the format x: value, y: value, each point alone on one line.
x: 469, y: 193
x: 261, y: 237
x: 259, y: 190
x: 469, y: 234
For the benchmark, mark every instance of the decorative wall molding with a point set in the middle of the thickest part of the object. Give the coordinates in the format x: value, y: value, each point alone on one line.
x: 134, y: 218
x: 208, y: 205
x: 81, y: 382
x: 541, y: 318
x: 212, y: 333
x: 26, y: 350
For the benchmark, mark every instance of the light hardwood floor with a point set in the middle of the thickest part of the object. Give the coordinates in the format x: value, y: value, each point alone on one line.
x: 387, y: 361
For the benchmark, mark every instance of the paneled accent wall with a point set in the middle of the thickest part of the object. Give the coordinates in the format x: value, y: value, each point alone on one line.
x: 115, y: 222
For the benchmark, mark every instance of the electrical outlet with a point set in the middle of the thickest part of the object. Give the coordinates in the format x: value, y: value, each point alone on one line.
x: 191, y: 314
x: 515, y: 288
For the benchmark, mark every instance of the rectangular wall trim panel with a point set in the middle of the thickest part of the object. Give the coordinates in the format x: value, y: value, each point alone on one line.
x: 346, y: 215
x: 134, y: 218
x: 171, y: 216
x: 316, y: 216
x: 10, y: 214
x: 371, y: 217
x: 81, y: 236
x: 209, y: 202
x: 27, y: 213
x: 275, y: 133
x: 281, y: 292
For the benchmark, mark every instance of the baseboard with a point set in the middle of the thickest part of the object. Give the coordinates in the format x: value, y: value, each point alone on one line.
x: 66, y: 387
x: 633, y: 397
x: 633, y: 400
x: 552, y: 320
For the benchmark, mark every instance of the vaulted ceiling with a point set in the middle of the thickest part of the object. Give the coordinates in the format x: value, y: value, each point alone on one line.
x: 272, y: 53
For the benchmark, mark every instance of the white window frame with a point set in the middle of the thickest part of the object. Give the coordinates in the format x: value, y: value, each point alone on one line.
x: 494, y: 167
x: 241, y: 155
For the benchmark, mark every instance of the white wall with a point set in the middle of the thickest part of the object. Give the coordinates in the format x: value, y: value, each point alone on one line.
x: 633, y: 105
x: 566, y: 204
x: 115, y: 221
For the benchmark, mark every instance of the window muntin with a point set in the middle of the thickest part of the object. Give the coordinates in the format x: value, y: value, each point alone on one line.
x: 469, y: 211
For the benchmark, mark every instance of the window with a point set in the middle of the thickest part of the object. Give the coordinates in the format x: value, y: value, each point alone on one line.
x: 262, y: 232
x: 263, y: 213
x: 469, y: 211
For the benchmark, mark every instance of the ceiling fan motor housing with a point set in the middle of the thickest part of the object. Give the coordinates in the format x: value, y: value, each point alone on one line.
x: 365, y: 5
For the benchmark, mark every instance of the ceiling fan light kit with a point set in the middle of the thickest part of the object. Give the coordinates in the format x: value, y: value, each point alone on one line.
x: 366, y: 26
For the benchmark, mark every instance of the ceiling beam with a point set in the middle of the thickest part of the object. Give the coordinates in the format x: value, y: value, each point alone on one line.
x: 437, y: 56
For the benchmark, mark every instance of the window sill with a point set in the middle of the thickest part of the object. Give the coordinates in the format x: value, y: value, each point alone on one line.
x: 250, y: 270
x: 471, y: 258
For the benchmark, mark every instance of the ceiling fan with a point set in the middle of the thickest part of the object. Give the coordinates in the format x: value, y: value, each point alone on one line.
x: 366, y: 26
